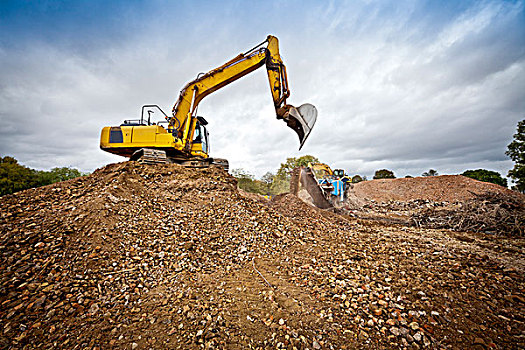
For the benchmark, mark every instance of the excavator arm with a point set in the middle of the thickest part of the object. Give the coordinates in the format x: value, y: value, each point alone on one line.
x: 183, y: 120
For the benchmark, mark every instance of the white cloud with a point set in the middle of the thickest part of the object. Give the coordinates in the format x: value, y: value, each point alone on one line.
x: 393, y: 91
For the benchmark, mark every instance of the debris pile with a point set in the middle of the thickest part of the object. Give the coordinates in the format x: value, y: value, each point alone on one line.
x: 444, y: 188
x: 453, y: 202
x: 492, y: 213
x: 160, y: 256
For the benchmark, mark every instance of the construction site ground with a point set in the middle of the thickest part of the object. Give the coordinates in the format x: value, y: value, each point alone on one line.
x: 164, y: 257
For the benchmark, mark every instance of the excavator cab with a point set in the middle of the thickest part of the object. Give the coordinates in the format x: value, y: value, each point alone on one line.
x: 201, y: 135
x: 339, y: 173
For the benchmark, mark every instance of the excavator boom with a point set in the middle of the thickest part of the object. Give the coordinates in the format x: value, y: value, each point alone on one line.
x: 301, y: 119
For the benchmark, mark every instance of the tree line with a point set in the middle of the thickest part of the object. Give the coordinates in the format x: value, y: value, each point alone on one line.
x: 273, y: 184
x: 15, y: 177
x: 478, y: 174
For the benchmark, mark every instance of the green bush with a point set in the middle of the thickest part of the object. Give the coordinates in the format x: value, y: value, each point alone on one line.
x: 486, y: 176
x: 15, y: 177
x: 384, y: 174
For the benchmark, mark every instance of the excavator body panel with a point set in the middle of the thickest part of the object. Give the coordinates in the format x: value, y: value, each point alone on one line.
x: 125, y: 140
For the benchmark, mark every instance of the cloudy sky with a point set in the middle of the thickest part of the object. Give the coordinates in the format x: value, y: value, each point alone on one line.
x: 403, y: 85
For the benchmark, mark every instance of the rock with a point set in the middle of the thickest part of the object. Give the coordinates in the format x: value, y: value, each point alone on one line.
x: 414, y: 326
x: 395, y: 331
x: 404, y: 342
x: 426, y: 341
x: 93, y: 309
x: 418, y: 336
x: 383, y: 303
x: 186, y: 259
x: 363, y: 336
x: 479, y: 341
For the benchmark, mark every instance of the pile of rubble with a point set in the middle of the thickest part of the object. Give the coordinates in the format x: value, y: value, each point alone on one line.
x: 140, y: 257
x: 452, y: 202
x: 492, y: 213
x: 445, y: 188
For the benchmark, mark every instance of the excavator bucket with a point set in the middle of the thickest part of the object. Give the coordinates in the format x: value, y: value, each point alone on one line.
x: 301, y: 120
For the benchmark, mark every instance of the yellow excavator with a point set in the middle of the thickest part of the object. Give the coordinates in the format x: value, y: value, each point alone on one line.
x: 182, y: 137
x: 321, y: 170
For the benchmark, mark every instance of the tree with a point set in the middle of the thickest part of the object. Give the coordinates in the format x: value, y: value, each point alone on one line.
x: 267, y: 180
x: 384, y: 174
x: 15, y: 177
x: 245, y: 180
x: 280, y: 185
x: 357, y: 179
x: 63, y: 174
x: 431, y: 172
x: 57, y: 175
x: 292, y: 163
x: 516, y: 152
x: 486, y: 176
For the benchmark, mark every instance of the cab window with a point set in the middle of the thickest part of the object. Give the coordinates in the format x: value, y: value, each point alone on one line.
x: 201, y: 136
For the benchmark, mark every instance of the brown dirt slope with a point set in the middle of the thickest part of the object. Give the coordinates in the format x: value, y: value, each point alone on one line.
x: 445, y: 188
x: 163, y: 257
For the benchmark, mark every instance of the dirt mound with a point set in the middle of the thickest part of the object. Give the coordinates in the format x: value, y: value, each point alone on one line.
x: 445, y: 188
x: 162, y: 256
x: 451, y: 201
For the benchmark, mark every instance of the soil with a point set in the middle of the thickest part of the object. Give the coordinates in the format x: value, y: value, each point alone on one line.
x: 451, y: 201
x: 159, y: 256
x: 444, y: 188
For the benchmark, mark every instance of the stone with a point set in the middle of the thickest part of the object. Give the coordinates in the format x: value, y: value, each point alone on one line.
x: 414, y: 326
x: 418, y: 336
x: 395, y: 331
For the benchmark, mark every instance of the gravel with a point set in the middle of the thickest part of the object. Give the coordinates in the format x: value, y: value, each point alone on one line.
x: 140, y: 257
x: 444, y: 188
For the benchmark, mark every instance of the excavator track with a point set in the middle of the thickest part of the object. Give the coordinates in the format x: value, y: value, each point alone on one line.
x: 149, y: 156
x: 205, y: 163
x: 155, y: 156
x: 221, y: 162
